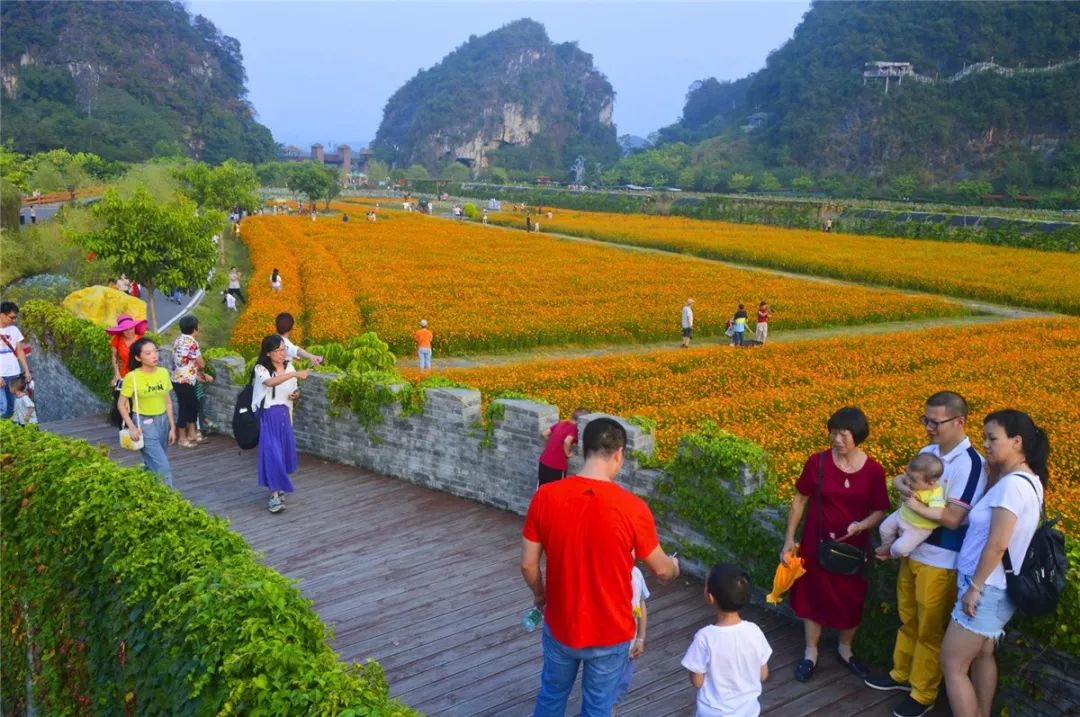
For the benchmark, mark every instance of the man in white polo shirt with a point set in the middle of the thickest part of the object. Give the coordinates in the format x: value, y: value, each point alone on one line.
x: 926, y: 585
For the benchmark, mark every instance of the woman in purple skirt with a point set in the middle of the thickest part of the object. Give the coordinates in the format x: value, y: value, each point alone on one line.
x: 275, y: 387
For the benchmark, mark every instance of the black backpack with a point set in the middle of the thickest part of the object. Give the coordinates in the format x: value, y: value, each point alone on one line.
x: 245, y: 421
x: 1036, y: 589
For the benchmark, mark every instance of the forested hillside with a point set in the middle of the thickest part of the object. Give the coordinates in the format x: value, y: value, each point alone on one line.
x: 510, y: 99
x: 126, y: 81
x: 809, y: 111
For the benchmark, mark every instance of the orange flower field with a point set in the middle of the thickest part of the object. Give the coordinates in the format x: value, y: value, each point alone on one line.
x: 1020, y: 277
x: 780, y: 396
x: 484, y: 289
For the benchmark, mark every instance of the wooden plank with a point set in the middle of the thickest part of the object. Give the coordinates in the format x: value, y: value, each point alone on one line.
x: 429, y: 585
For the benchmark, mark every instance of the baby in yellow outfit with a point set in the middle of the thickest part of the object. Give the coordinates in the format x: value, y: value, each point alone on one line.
x: 904, y: 530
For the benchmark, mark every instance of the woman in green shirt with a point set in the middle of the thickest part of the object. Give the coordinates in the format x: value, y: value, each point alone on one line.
x: 146, y: 407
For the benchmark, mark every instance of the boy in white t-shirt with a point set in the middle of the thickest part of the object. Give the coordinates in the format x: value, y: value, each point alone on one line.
x: 729, y: 659
x: 637, y: 647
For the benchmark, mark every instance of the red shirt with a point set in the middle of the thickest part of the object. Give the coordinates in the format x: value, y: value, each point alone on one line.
x: 554, y: 456
x: 588, y: 528
x: 763, y: 316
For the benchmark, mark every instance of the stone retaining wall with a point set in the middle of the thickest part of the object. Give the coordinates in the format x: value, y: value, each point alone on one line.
x: 58, y: 395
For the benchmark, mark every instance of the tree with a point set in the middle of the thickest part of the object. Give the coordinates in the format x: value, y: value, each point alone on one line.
x: 314, y: 180
x: 768, y: 182
x: 802, y: 183
x: 973, y: 190
x: 163, y: 246
x: 904, y: 186
x: 14, y: 167
x: 377, y: 171
x: 740, y: 182
x: 456, y: 172
x: 417, y: 171
x: 230, y: 185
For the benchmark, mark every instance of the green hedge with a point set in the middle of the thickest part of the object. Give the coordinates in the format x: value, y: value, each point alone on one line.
x: 140, y: 603
x: 82, y: 345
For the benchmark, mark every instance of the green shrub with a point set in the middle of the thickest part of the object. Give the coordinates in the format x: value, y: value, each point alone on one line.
x: 140, y: 603
x: 470, y: 211
x: 81, y: 345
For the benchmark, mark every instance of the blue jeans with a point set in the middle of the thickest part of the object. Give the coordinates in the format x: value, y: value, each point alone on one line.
x: 424, y: 356
x: 737, y: 338
x: 155, y: 442
x: 601, y: 671
x: 7, y: 400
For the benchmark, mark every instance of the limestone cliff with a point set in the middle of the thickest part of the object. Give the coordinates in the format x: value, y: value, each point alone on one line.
x: 511, y: 99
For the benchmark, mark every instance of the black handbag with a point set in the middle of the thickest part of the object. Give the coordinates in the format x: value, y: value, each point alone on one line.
x: 833, y: 555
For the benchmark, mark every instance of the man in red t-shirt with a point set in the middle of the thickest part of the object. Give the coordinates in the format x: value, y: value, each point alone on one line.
x: 590, y: 529
x: 561, y: 438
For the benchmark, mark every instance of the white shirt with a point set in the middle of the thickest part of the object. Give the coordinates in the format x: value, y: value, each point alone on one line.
x: 291, y: 349
x: 1015, y: 494
x: 230, y: 302
x: 964, y: 481
x: 275, y: 282
x: 234, y: 280
x: 687, y: 317
x: 24, y: 411
x: 9, y: 362
x: 274, y: 395
x: 731, y: 658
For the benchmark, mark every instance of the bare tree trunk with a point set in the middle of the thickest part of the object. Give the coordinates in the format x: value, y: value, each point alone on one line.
x: 150, y: 310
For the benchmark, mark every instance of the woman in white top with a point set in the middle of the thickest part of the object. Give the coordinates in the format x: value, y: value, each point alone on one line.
x: 1005, y: 518
x: 274, y: 390
x: 275, y: 280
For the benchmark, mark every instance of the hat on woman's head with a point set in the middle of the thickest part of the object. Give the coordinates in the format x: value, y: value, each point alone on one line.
x: 423, y: 323
x: 125, y: 322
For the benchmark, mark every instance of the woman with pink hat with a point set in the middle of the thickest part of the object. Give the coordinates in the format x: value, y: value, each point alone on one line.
x: 126, y: 332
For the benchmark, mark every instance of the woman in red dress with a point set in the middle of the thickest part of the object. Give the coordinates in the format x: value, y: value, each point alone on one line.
x: 854, y: 499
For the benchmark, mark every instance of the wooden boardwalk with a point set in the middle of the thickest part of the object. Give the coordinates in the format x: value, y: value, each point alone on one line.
x: 428, y: 584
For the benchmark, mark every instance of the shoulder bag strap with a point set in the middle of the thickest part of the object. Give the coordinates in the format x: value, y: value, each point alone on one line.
x: 135, y: 395
x: 1005, y: 561
x: 5, y: 340
x: 821, y: 508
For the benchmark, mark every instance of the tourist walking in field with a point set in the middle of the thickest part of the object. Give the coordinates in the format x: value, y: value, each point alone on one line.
x: 729, y: 659
x: 188, y: 362
x: 588, y: 520
x: 275, y: 280
x: 687, y: 323
x: 739, y: 325
x: 234, y: 284
x: 12, y: 356
x: 1000, y: 528
x: 283, y: 324
x: 926, y: 582
x: 121, y: 337
x: 761, y: 329
x: 842, y: 493
x: 275, y: 389
x: 423, y: 337
x: 146, y: 408
x: 560, y: 438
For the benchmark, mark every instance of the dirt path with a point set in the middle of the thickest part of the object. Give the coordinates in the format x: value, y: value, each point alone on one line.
x: 985, y: 313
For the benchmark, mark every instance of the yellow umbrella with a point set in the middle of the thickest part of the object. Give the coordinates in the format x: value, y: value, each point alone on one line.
x: 102, y: 305
x: 785, y: 576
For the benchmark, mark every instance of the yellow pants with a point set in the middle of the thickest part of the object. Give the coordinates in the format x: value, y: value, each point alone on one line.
x: 925, y: 596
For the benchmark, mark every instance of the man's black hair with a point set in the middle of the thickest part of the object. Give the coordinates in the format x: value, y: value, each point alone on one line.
x: 603, y: 436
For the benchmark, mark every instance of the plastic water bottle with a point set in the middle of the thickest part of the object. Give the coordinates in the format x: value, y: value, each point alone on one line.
x: 532, y: 619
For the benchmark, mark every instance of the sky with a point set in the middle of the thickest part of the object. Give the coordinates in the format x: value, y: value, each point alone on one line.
x: 322, y: 71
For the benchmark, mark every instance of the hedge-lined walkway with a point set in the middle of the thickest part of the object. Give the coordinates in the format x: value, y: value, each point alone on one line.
x: 428, y: 584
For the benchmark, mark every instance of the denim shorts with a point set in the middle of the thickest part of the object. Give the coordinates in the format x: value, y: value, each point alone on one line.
x: 992, y: 613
